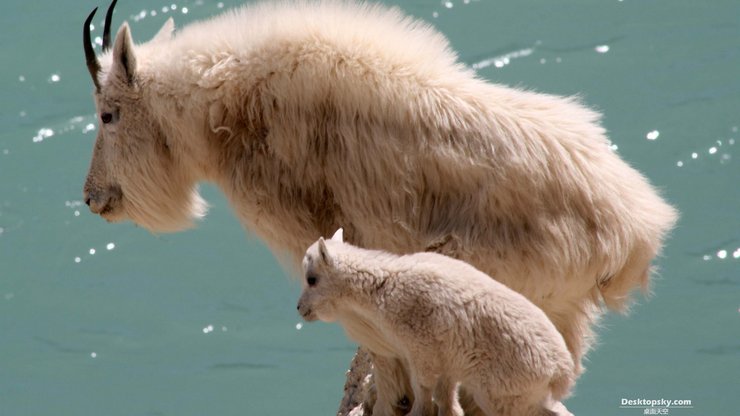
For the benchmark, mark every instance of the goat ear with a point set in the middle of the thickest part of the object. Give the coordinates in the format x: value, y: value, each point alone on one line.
x: 324, y: 252
x: 124, y: 60
x: 338, y: 236
x: 165, y: 33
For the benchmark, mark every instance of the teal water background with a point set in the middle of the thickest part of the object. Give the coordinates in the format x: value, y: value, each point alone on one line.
x: 100, y: 319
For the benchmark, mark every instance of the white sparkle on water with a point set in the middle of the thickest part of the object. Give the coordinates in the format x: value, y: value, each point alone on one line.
x: 110, y: 246
x: 92, y: 251
x: 77, y: 259
x: 602, y: 48
x: 653, y: 135
x: 93, y: 354
x: 694, y: 155
x: 43, y: 134
x: 722, y: 254
x: 208, y: 329
x: 502, y: 60
x: 712, y: 150
x: 298, y: 326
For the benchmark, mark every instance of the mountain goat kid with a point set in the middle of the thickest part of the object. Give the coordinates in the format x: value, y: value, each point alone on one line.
x: 312, y: 115
x: 447, y: 321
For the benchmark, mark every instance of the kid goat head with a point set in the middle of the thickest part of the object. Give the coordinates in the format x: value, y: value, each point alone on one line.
x: 133, y: 173
x: 321, y: 288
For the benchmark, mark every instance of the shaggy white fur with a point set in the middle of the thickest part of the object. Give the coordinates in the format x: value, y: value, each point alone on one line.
x: 446, y: 321
x: 315, y: 115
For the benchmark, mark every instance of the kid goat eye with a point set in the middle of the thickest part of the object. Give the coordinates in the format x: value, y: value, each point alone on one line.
x: 106, y: 118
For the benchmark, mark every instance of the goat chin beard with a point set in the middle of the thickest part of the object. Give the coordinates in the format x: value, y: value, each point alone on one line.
x: 166, y: 216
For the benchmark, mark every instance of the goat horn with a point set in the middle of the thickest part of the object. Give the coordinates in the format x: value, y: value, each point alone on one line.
x: 92, y: 61
x: 106, y: 27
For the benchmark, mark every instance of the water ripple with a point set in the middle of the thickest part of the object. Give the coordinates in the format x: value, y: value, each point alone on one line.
x: 725, y: 281
x: 242, y: 366
x: 59, y: 347
x: 720, y: 350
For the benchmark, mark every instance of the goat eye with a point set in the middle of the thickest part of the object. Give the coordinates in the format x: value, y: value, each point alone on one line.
x: 106, y: 118
x: 311, y: 280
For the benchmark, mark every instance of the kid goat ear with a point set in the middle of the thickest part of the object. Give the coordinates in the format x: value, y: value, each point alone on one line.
x: 324, y: 252
x: 338, y: 235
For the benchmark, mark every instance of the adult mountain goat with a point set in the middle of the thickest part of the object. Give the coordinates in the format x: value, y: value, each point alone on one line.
x: 312, y: 116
